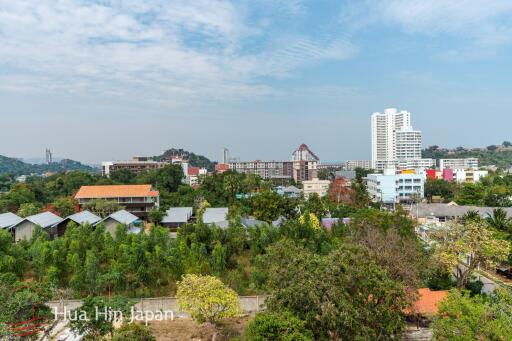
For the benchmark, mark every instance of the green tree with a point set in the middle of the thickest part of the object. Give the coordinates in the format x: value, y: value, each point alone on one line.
x: 464, y: 247
x: 207, y: 299
x: 133, y: 332
x: 123, y: 176
x: 103, y: 207
x: 156, y: 215
x: 28, y: 209
x: 267, y: 206
x: 282, y: 326
x: 499, y: 220
x: 328, y: 291
x: 97, y: 328
x: 462, y: 317
x: 65, y: 206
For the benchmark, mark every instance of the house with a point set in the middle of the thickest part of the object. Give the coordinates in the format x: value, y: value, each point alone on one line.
x: 131, y: 221
x: 139, y: 200
x: 442, y: 213
x: 7, y: 220
x: 80, y: 218
x: 25, y: 228
x: 177, y: 216
x: 217, y: 216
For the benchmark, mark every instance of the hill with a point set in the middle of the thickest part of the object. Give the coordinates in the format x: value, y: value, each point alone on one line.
x: 193, y: 159
x: 497, y: 155
x: 17, y: 167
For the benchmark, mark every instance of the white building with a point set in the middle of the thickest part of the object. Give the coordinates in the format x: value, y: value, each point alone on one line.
x: 390, y: 188
x: 468, y: 175
x: 353, y: 164
x: 320, y: 187
x: 469, y: 163
x: 394, y: 142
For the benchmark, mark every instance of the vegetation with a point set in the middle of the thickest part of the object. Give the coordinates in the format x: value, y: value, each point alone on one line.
x: 193, y: 159
x: 207, y: 299
x: 500, y: 156
x: 133, y: 332
x: 282, y: 326
x: 464, y: 317
x: 16, y: 167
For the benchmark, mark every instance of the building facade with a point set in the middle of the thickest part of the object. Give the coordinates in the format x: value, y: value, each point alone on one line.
x: 469, y: 163
x: 264, y: 169
x: 305, y: 164
x: 353, y: 164
x: 395, y: 144
x: 139, y: 200
x: 136, y: 165
x: 390, y: 187
x: 320, y: 187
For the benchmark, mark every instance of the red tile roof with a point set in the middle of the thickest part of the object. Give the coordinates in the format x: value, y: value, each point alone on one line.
x: 193, y: 170
x: 428, y: 301
x: 116, y: 191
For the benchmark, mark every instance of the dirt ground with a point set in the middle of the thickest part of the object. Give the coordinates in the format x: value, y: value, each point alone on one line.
x: 188, y: 330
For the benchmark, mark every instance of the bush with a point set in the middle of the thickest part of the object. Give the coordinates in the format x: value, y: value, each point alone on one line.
x: 279, y: 327
x: 133, y: 332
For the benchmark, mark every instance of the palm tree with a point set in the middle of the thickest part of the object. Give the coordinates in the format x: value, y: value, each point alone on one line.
x: 471, y: 215
x: 499, y: 220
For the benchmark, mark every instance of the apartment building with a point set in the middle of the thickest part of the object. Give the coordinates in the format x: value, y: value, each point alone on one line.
x: 305, y: 164
x: 469, y: 163
x: 136, y: 199
x: 390, y: 187
x: 264, y: 169
x: 136, y: 165
x: 353, y: 164
x: 315, y: 185
x: 395, y: 144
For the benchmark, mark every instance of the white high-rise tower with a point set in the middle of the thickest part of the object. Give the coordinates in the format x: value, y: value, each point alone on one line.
x: 395, y: 144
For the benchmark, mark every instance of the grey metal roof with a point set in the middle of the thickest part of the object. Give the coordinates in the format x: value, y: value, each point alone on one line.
x: 292, y: 189
x: 9, y: 219
x: 446, y: 210
x: 45, y: 219
x: 178, y: 215
x: 250, y: 222
x: 84, y: 217
x: 215, y: 215
x: 123, y: 217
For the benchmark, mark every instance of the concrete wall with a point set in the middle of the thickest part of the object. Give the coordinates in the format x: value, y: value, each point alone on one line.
x: 250, y: 304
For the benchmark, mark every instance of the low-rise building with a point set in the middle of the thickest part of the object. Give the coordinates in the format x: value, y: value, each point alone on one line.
x: 390, y: 187
x: 122, y: 217
x: 264, y: 169
x: 320, y: 187
x: 8, y: 220
x: 80, y: 218
x: 216, y: 216
x: 136, y: 199
x: 25, y: 228
x: 353, y: 164
x: 137, y: 165
x: 468, y: 163
x: 177, y: 216
x: 289, y: 191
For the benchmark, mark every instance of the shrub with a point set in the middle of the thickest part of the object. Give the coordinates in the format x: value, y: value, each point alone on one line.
x: 133, y: 332
x: 277, y: 326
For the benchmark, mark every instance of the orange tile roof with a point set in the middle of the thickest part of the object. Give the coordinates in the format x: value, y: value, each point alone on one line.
x: 116, y: 191
x: 428, y: 301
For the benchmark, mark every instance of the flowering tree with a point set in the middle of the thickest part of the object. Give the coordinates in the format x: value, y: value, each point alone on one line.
x: 207, y: 299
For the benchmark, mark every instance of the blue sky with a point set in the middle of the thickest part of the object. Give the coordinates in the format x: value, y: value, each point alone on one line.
x: 102, y: 80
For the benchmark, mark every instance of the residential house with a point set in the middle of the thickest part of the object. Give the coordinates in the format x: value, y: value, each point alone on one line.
x: 80, y: 218
x: 131, y: 221
x: 216, y: 216
x: 136, y: 199
x: 177, y: 216
x: 289, y: 191
x: 8, y: 220
x: 25, y: 228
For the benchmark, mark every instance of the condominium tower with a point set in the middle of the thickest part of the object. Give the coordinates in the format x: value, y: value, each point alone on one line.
x: 395, y: 144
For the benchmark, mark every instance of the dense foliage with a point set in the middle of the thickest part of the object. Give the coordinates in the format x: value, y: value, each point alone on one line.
x: 16, y: 167
x: 193, y: 159
x: 500, y: 156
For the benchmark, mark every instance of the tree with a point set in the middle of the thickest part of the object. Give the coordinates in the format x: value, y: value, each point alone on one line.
x: 340, y: 191
x: 65, y: 206
x: 156, y: 215
x: 499, y: 220
x: 282, y: 326
x: 231, y: 185
x: 96, y: 328
x: 327, y: 292
x: 207, y: 299
x: 462, y: 317
x: 103, y: 207
x: 440, y: 188
x: 133, y: 332
x: 123, y: 176
x: 462, y: 248
x: 28, y: 209
x: 267, y: 206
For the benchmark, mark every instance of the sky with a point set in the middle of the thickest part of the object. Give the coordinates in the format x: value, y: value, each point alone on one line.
x: 98, y: 80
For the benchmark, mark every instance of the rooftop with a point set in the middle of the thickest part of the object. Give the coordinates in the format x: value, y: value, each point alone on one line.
x: 122, y: 217
x: 116, y: 191
x: 178, y: 215
x: 45, y: 219
x: 9, y: 219
x: 428, y: 302
x: 453, y: 210
x: 215, y: 215
x: 84, y: 217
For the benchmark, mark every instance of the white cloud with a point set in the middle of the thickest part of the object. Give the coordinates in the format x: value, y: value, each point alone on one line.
x: 159, y: 51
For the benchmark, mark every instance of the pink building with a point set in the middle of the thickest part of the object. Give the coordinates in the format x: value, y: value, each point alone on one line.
x: 448, y: 174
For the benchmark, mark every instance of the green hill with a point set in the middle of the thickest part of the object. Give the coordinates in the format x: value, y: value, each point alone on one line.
x: 193, y: 159
x: 16, y: 167
x: 497, y: 155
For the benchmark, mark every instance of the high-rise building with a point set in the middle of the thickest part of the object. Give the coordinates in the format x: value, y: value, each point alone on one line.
x: 395, y: 144
x: 305, y: 163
